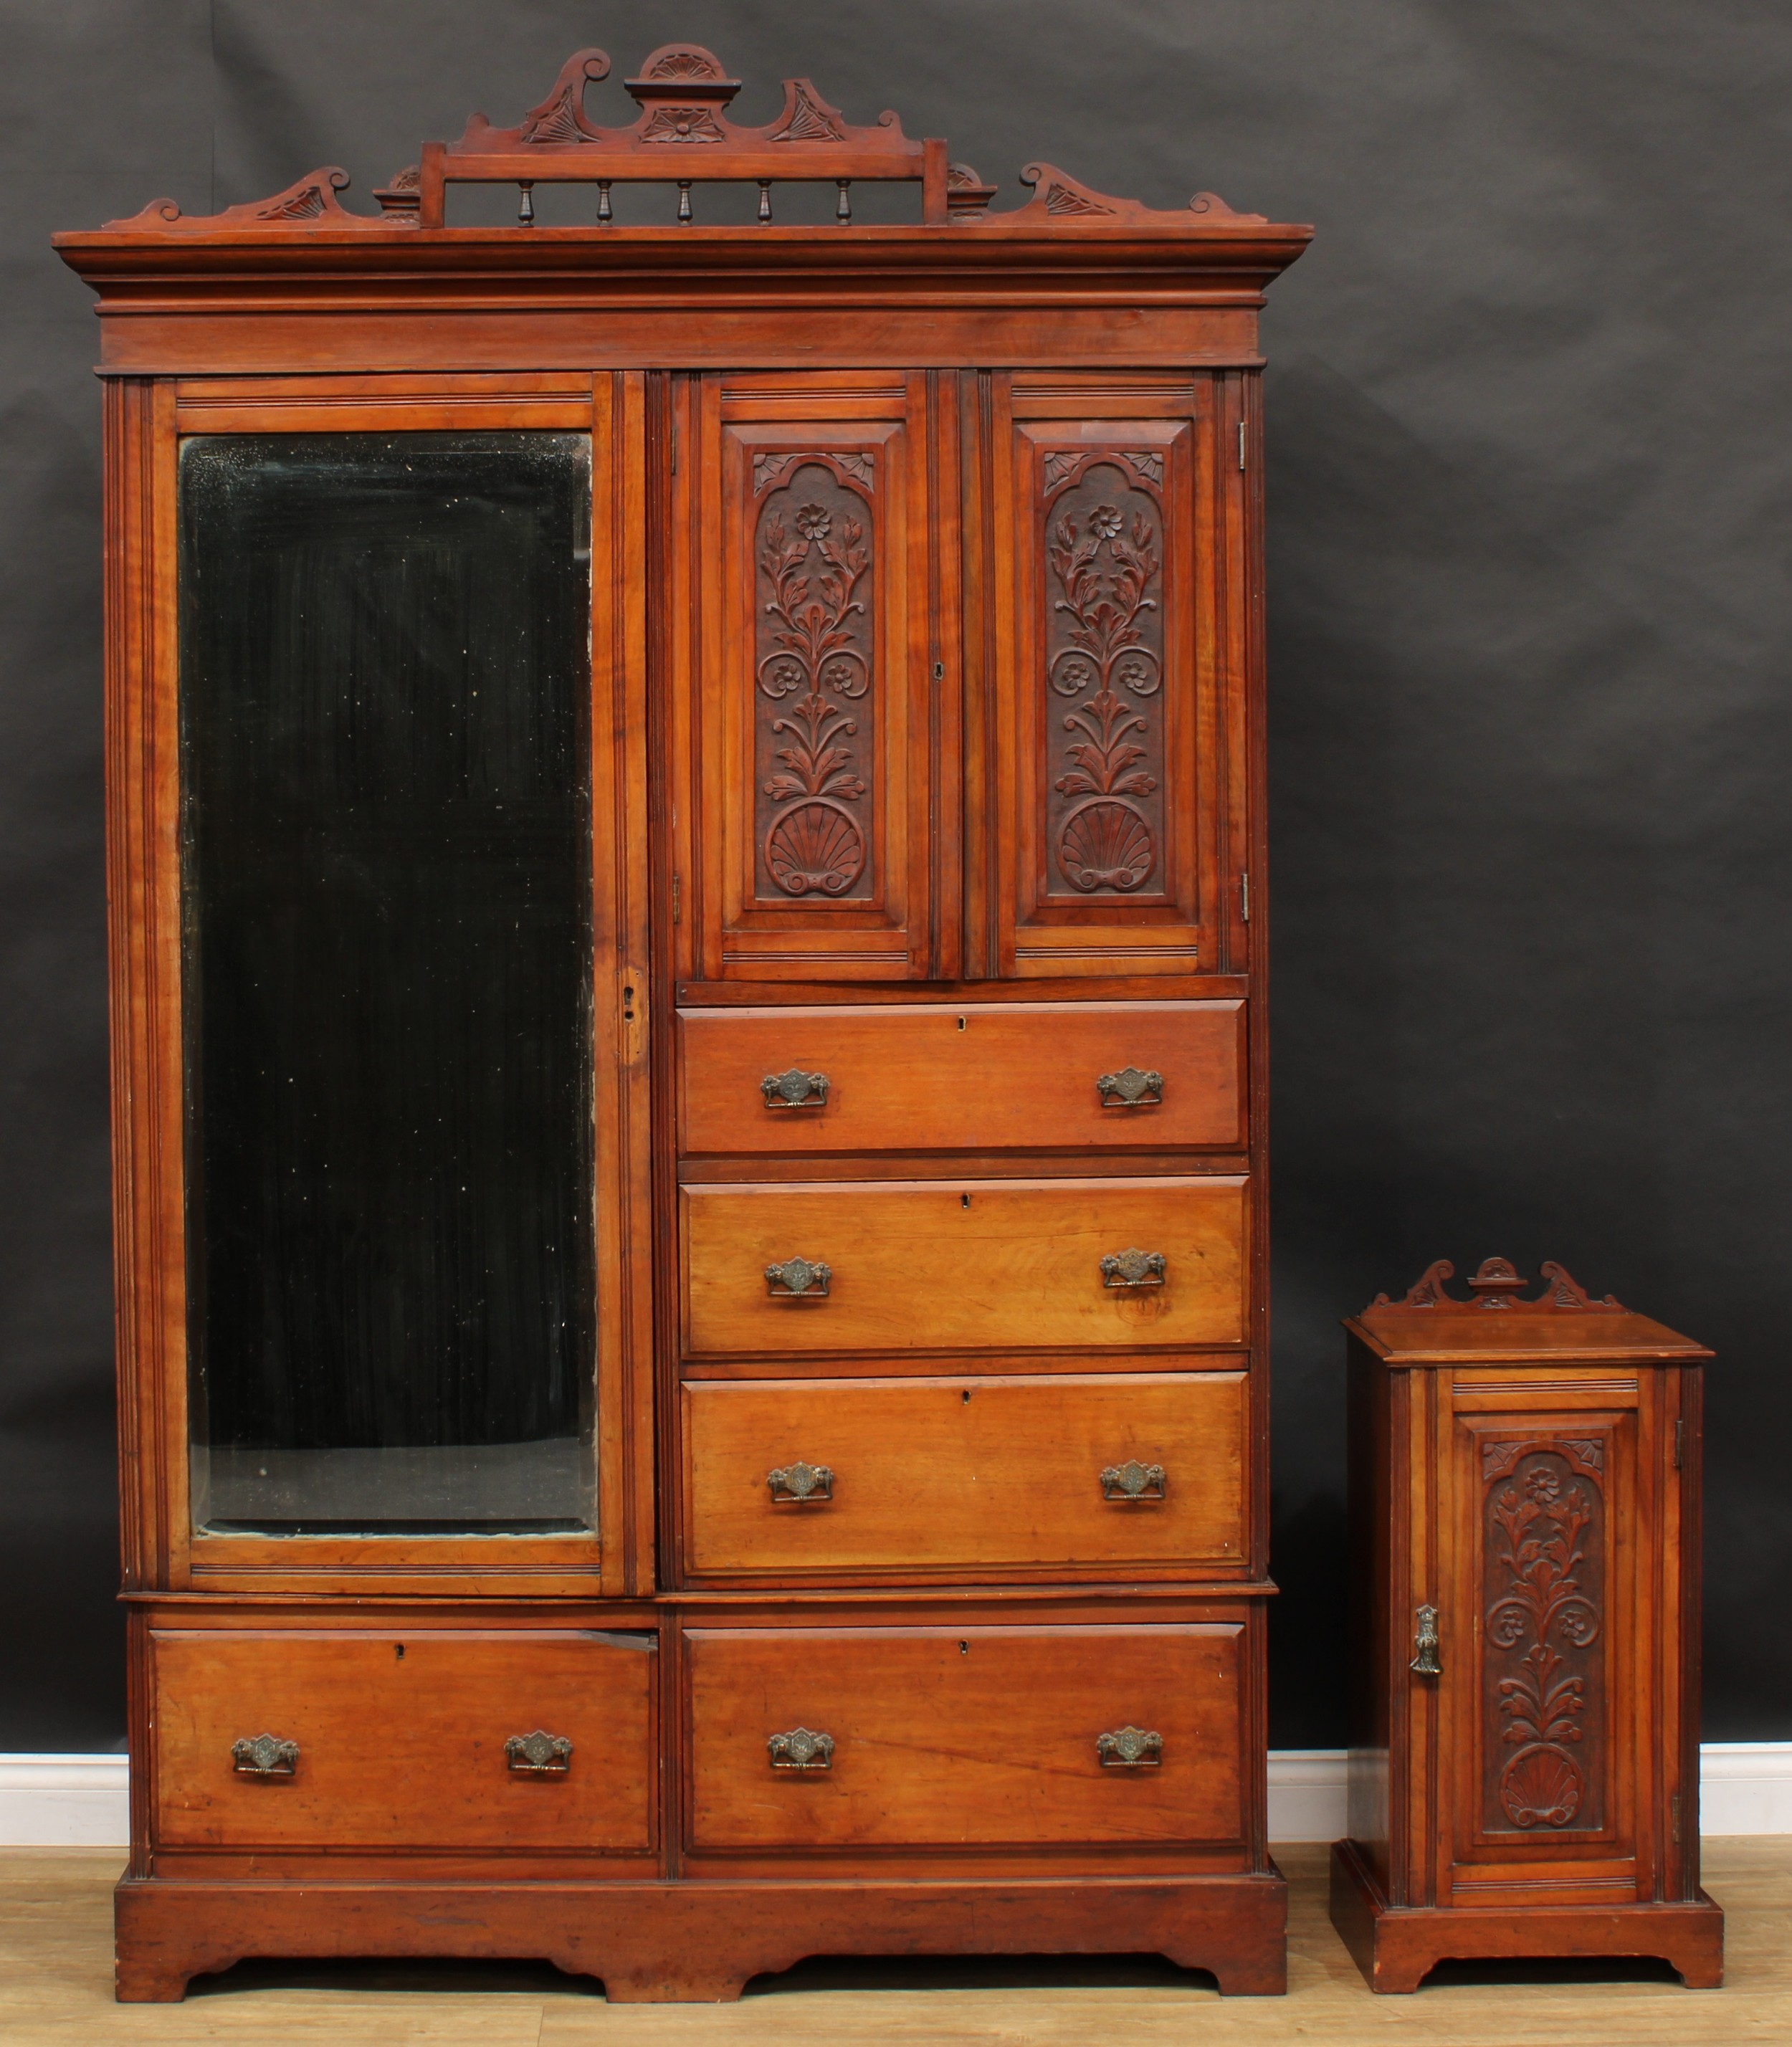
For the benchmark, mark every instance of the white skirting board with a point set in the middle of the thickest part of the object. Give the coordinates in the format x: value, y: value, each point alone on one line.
x: 80, y: 1801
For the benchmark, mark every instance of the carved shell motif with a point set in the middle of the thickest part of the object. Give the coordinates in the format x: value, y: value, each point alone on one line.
x: 1542, y: 1786
x: 815, y: 849
x: 1105, y: 845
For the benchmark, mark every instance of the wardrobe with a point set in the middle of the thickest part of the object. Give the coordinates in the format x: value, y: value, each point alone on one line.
x: 686, y: 866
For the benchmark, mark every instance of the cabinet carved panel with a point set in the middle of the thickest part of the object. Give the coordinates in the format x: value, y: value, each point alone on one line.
x: 1544, y: 1622
x: 813, y: 748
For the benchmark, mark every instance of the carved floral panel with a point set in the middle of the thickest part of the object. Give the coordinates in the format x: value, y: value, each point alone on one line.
x: 814, y: 687
x: 1544, y: 1621
x: 1104, y: 674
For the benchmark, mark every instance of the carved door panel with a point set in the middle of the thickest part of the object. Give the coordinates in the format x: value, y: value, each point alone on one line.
x: 1546, y: 1687
x: 1109, y: 767
x: 808, y: 709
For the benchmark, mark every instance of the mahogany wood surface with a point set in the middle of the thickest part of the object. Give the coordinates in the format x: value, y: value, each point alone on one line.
x: 1537, y: 1791
x: 855, y: 775
x: 948, y: 1265
x: 964, y: 1078
x: 967, y: 1477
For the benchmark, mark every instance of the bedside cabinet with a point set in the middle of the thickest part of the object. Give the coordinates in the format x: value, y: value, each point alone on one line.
x: 1524, y: 1505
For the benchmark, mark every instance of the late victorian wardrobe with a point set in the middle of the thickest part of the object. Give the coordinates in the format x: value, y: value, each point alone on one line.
x: 688, y: 932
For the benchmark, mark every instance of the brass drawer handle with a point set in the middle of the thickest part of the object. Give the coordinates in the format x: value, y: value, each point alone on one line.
x: 1130, y: 1088
x: 798, y: 1276
x: 539, y: 1754
x: 265, y: 1755
x: 1133, y: 1269
x: 1130, y: 1748
x: 1133, y: 1481
x: 1426, y: 1664
x: 795, y: 1089
x: 801, y: 1749
x: 800, y: 1481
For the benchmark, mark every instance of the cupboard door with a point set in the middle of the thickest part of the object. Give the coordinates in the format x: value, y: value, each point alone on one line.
x: 1107, y: 767
x: 1545, y: 1694
x: 808, y: 708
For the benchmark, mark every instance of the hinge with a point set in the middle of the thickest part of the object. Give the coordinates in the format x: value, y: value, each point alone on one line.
x: 1679, y: 1445
x: 1673, y: 1808
x: 1244, y: 897
x: 675, y: 900
x: 1242, y: 443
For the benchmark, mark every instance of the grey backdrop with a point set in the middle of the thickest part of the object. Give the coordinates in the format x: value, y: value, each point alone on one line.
x: 1529, y: 470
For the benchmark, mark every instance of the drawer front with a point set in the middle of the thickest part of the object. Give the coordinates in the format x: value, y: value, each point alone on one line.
x: 1126, y: 1471
x: 403, y: 1748
x: 978, y: 1076
x: 965, y: 1737
x: 961, y: 1264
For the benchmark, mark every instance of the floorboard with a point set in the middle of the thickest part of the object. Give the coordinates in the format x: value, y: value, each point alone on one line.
x: 56, y: 1989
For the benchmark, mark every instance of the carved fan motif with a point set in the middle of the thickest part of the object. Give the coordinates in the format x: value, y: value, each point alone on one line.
x: 813, y: 743
x: 1104, y: 650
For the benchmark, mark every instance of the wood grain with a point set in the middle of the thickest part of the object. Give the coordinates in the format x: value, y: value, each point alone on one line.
x: 966, y: 1476
x: 963, y: 1077
x: 962, y: 1265
x: 951, y: 1737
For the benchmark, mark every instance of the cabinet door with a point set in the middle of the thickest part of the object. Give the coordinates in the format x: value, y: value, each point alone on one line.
x: 1547, y: 1699
x: 807, y: 702
x: 1108, y: 773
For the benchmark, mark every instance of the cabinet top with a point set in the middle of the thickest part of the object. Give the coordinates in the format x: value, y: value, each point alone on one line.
x: 1497, y: 1322
x: 682, y: 137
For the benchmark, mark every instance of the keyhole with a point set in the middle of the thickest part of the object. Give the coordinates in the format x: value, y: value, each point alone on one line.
x: 398, y: 1650
x: 964, y: 1201
x: 964, y: 1648
x: 966, y: 1400
x: 960, y: 1022
x: 628, y: 1005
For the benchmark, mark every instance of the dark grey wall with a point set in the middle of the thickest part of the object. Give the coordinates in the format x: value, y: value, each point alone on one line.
x: 1530, y: 471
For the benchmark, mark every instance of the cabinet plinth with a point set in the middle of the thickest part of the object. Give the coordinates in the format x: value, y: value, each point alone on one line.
x: 1524, y: 1505
x: 690, y: 1104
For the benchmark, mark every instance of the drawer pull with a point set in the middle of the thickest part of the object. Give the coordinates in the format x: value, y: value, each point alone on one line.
x: 801, y: 1749
x: 1130, y: 1088
x: 800, y: 1481
x: 1133, y: 1481
x: 265, y: 1755
x: 1130, y: 1748
x: 795, y: 1089
x: 539, y: 1754
x: 798, y: 1276
x: 1130, y: 1269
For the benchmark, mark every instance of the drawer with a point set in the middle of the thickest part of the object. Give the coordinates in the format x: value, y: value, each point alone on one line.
x: 961, y: 1264
x: 1125, y: 1472
x: 969, y: 1077
x: 965, y: 1737
x: 403, y: 1747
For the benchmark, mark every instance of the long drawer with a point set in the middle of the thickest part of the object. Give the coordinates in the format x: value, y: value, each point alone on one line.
x: 962, y: 1265
x: 964, y: 1737
x: 969, y: 1077
x: 400, y: 1735
x: 1118, y: 1473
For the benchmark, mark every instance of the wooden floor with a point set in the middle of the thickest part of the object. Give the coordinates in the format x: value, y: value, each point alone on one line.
x: 55, y: 1988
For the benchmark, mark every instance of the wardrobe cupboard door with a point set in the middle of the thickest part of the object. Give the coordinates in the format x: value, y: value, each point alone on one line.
x: 1105, y: 758
x: 806, y: 709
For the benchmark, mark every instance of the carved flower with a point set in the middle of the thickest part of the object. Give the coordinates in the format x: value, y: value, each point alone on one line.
x: 812, y: 522
x: 1542, y: 1485
x: 1105, y: 522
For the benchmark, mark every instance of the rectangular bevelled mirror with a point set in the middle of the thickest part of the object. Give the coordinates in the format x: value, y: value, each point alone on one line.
x: 386, y: 860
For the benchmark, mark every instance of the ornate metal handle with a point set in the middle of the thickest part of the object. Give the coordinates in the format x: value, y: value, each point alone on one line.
x: 1130, y: 1748
x: 799, y: 1275
x: 1425, y: 1662
x: 800, y: 1481
x: 265, y: 1755
x: 795, y: 1089
x: 801, y: 1749
x: 1133, y: 1269
x: 1132, y: 1481
x: 1130, y: 1088
x: 539, y: 1755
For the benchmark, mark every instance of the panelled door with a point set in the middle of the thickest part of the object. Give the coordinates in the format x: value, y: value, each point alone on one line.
x: 950, y: 654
